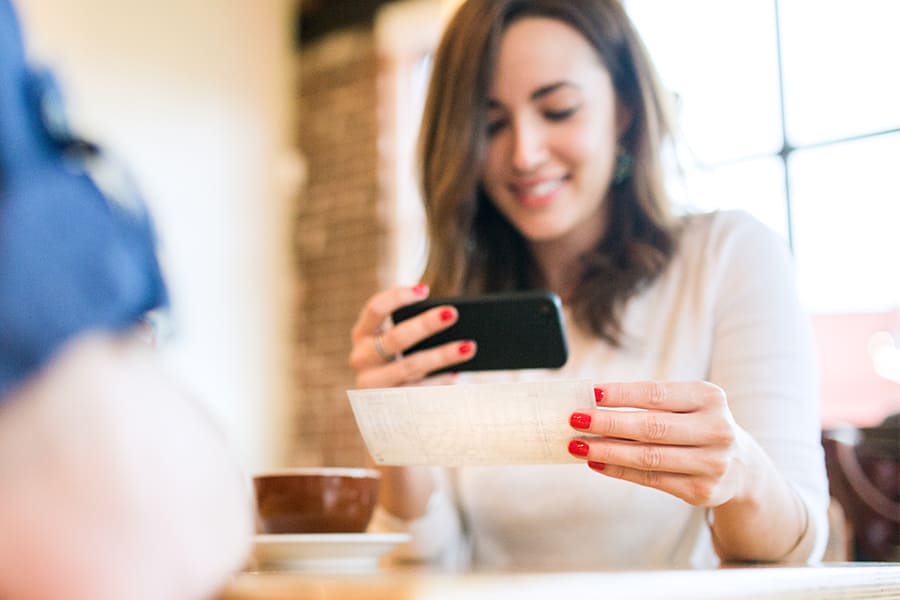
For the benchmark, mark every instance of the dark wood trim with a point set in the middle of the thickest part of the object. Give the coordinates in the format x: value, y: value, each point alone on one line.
x: 317, y: 18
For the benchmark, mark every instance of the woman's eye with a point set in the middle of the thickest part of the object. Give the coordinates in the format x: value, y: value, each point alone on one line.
x: 495, y: 126
x: 560, y: 115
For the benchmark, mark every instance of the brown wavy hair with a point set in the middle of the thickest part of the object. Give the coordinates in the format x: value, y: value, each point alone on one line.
x: 472, y: 247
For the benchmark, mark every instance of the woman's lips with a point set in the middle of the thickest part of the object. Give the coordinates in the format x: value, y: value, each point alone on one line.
x: 538, y: 194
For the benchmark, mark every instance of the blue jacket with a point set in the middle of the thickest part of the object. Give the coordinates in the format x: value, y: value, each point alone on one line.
x: 72, y: 258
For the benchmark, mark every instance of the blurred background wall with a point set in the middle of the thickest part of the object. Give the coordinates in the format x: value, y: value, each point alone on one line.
x: 359, y: 226
x: 340, y: 237
x: 198, y: 97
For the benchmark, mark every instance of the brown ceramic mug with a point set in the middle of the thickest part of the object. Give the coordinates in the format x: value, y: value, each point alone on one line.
x: 316, y: 499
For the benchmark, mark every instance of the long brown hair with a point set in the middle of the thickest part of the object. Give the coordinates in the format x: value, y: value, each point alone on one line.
x: 472, y: 247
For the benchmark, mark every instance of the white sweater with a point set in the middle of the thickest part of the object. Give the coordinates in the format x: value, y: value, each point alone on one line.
x: 725, y: 311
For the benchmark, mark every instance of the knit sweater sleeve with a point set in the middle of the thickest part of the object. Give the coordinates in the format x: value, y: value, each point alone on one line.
x: 764, y: 356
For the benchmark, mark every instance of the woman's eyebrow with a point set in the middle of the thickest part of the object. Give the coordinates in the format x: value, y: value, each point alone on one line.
x: 550, y: 88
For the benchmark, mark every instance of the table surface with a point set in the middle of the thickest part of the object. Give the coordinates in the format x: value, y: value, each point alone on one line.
x: 838, y: 580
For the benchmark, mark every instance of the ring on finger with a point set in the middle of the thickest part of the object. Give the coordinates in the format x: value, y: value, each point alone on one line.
x: 378, y: 342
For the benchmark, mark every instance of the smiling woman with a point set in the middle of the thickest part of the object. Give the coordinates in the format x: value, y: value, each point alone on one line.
x: 542, y: 167
x: 792, y: 169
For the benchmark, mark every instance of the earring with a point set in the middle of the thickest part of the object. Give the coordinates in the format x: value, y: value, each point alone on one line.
x: 624, y: 162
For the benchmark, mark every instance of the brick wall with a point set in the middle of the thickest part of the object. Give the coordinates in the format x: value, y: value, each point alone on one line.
x: 340, y: 238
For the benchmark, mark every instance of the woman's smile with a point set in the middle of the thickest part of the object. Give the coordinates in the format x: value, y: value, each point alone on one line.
x: 538, y: 194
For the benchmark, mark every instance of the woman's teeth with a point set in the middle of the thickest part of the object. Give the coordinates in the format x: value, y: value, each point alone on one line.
x: 542, y: 189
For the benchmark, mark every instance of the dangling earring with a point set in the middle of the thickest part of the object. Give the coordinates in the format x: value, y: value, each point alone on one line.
x: 624, y: 162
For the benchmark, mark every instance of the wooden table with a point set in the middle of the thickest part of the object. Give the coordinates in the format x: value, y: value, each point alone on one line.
x: 841, y: 580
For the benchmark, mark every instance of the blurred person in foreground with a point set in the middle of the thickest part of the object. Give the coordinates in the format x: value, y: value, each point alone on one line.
x: 115, y: 482
x: 541, y: 166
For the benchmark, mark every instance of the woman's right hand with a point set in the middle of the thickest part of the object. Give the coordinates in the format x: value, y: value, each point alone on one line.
x: 377, y: 353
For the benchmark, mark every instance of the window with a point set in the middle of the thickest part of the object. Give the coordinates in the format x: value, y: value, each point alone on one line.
x: 790, y: 109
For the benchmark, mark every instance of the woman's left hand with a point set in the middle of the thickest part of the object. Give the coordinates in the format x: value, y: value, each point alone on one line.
x: 684, y: 442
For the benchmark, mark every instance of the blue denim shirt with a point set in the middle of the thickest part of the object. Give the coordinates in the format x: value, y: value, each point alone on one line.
x: 72, y: 257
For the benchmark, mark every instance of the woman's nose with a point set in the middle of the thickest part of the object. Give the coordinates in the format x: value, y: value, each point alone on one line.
x: 529, y: 147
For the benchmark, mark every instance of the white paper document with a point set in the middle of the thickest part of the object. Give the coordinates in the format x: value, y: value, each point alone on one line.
x: 471, y: 424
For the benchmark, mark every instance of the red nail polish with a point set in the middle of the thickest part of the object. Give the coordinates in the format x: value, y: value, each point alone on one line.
x: 466, y: 347
x: 599, y: 394
x: 420, y: 289
x: 446, y: 315
x: 597, y: 466
x: 580, y: 420
x: 578, y: 448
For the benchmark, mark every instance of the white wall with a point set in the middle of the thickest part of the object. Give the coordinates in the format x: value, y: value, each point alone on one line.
x: 197, y: 97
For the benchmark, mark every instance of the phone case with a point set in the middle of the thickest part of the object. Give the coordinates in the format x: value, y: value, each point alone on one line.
x: 515, y: 330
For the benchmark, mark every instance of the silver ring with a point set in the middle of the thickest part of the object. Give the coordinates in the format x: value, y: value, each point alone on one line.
x: 379, y: 348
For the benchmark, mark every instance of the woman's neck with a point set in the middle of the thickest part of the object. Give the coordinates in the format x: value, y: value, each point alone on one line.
x: 560, y: 259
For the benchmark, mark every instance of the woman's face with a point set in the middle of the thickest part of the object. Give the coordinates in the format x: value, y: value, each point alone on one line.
x: 552, y: 133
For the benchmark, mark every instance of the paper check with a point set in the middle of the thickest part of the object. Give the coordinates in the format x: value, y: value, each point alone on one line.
x: 470, y: 424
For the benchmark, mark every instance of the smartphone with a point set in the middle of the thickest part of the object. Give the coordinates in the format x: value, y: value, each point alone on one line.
x: 514, y: 330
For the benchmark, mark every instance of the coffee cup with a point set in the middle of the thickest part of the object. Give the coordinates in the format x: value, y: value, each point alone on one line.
x: 315, y: 499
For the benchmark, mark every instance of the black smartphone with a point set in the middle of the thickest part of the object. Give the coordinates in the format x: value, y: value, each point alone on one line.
x: 514, y: 330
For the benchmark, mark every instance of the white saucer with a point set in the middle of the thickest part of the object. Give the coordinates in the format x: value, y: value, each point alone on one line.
x: 324, y: 552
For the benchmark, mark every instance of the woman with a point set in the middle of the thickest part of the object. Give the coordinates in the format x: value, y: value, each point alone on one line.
x: 542, y: 169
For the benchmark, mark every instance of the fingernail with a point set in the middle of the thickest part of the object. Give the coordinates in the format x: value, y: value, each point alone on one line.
x: 580, y: 420
x: 578, y: 448
x: 420, y: 289
x: 466, y: 347
x: 446, y: 315
x: 597, y: 466
x: 599, y: 394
